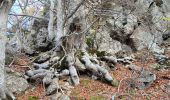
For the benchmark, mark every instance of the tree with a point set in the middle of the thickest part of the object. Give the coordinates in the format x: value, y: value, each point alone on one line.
x: 65, y: 28
x: 5, y: 6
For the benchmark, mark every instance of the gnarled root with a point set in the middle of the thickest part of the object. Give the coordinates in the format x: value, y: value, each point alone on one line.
x: 95, y: 68
x: 73, y: 72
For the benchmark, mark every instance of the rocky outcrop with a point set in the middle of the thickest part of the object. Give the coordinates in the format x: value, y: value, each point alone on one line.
x: 137, y: 25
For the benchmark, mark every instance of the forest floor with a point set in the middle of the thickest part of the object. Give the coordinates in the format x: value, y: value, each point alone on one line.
x: 90, y: 89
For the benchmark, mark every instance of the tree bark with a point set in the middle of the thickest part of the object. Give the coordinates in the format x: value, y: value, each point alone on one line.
x: 51, y: 21
x: 60, y: 22
x: 4, y: 10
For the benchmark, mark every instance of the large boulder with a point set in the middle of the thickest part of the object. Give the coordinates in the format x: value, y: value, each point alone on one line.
x: 142, y: 38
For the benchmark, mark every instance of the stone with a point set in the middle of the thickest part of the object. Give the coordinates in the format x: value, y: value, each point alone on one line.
x: 16, y: 84
x: 155, y: 66
x: 145, y: 79
x: 161, y: 59
x: 142, y: 38
x: 156, y: 49
x: 143, y: 5
x: 55, y: 96
x: 106, y: 43
x: 64, y: 97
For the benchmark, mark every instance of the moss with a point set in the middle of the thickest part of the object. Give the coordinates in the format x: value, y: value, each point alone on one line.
x: 64, y: 63
x: 33, y: 98
x: 115, y: 82
x: 101, y: 53
x: 90, y: 42
x: 75, y: 95
x: 98, y: 53
x: 79, y: 54
x: 8, y: 59
x: 98, y: 97
x: 131, y: 92
x: 85, y: 82
x: 108, y: 5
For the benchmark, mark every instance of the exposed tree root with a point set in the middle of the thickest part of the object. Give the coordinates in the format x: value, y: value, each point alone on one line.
x: 95, y: 68
x: 50, y: 74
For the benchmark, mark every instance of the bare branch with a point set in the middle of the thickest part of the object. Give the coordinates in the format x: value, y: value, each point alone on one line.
x: 74, y: 11
x: 28, y: 16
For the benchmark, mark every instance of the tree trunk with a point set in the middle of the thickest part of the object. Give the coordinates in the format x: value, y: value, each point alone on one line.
x: 60, y: 22
x: 4, y: 10
x: 51, y: 21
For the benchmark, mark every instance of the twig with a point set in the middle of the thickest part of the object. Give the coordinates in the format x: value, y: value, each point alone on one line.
x: 12, y: 62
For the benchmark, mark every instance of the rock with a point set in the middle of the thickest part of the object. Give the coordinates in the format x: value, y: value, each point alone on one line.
x: 156, y: 49
x: 142, y: 38
x: 155, y: 66
x: 131, y: 24
x: 53, y: 87
x: 143, y: 5
x: 64, y: 97
x: 16, y: 84
x: 166, y: 36
x: 145, y: 79
x: 55, y: 96
x: 106, y: 43
x: 162, y: 59
x: 158, y: 66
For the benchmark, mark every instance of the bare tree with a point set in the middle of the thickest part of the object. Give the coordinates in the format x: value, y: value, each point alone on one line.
x: 5, y: 6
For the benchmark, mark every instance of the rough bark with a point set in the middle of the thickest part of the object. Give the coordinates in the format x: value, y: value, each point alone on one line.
x: 4, y: 10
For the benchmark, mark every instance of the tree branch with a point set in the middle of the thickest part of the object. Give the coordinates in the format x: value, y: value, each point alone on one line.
x: 24, y: 15
x: 74, y: 11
